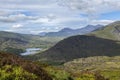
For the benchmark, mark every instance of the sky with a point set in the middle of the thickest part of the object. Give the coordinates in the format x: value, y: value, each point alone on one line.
x: 36, y: 16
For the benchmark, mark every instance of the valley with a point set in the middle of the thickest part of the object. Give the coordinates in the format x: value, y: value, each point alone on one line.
x: 93, y: 56
x: 17, y: 43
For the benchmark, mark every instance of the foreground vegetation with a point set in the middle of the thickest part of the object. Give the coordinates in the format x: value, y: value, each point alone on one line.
x: 9, y: 72
x: 106, y: 67
x: 92, y: 68
x: 13, y: 67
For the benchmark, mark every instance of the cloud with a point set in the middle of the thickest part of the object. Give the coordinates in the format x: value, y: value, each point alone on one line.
x: 92, y: 7
x: 26, y: 4
x: 3, y: 13
x: 17, y: 26
x: 103, y: 22
x: 16, y: 18
x: 53, y: 15
x: 49, y: 20
x: 59, y: 20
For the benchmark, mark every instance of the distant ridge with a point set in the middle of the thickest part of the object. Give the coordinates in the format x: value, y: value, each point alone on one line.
x: 66, y: 32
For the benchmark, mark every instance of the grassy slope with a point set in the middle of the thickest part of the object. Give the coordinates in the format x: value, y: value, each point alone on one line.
x: 109, y: 67
x: 94, y: 63
x: 108, y: 32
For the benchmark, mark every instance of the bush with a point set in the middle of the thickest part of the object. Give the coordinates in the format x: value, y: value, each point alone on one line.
x: 15, y: 73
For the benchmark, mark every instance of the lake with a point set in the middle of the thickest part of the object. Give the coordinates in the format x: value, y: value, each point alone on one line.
x: 30, y: 51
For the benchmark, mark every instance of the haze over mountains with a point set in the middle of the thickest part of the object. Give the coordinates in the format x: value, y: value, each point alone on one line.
x: 71, y: 32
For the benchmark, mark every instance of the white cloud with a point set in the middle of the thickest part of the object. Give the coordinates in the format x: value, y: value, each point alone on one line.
x: 17, y: 26
x: 55, y: 20
x: 103, y: 22
x: 16, y: 18
x: 46, y: 19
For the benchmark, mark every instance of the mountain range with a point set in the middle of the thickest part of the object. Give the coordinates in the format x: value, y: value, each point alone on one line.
x: 71, y: 32
x: 103, y: 42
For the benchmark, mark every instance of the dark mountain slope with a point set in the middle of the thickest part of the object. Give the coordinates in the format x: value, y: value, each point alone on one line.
x: 15, y: 61
x: 81, y: 46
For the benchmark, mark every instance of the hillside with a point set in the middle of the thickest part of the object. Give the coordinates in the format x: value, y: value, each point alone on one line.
x: 16, y: 43
x: 109, y: 67
x: 111, y: 31
x: 15, y: 68
x: 99, y: 43
x: 94, y: 63
x: 13, y: 39
x: 13, y: 42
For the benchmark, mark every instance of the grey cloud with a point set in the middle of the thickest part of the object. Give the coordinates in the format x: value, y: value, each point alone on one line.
x: 92, y: 7
x: 26, y: 1
x: 26, y: 4
x: 3, y: 13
